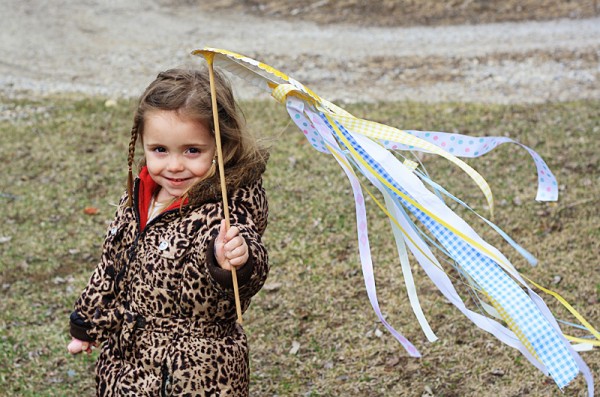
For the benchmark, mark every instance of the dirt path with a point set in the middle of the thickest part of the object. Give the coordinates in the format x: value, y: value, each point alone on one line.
x: 115, y: 49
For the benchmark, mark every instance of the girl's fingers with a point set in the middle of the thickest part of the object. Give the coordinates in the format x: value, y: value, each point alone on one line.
x: 236, y: 247
x: 239, y: 255
x: 239, y: 261
x: 230, y: 248
x: 73, y: 347
x: 234, y: 243
x: 76, y: 346
x: 231, y: 233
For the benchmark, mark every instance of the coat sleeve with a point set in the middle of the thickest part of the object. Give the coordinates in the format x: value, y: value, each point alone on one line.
x: 97, y: 312
x: 248, y: 212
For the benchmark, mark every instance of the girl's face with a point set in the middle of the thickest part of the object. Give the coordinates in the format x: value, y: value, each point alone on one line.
x: 178, y: 151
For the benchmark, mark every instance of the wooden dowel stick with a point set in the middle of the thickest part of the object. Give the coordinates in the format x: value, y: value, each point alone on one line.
x: 215, y: 111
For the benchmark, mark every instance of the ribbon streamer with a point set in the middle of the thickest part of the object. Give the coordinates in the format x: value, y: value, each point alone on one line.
x: 421, y: 222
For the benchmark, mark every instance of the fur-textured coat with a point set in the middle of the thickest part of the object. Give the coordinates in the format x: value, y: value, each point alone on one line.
x: 160, y: 305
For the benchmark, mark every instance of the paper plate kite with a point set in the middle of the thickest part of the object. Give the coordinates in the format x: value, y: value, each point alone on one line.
x: 422, y: 223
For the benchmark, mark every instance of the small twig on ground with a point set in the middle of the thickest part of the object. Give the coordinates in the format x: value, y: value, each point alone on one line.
x: 576, y: 204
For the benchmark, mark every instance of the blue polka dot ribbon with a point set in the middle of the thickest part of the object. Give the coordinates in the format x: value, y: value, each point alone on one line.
x: 470, y: 147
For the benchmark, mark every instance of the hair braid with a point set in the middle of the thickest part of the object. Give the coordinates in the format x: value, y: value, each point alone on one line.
x: 130, y: 158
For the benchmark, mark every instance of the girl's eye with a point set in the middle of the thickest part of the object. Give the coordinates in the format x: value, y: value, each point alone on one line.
x: 193, y: 150
x: 160, y: 149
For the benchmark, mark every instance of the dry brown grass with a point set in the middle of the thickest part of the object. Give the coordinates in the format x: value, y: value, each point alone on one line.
x: 63, y: 155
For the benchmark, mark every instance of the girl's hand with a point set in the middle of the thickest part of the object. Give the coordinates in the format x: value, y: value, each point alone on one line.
x: 230, y: 248
x: 77, y: 346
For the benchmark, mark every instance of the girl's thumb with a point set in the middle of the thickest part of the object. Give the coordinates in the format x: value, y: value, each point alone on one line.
x: 222, y: 231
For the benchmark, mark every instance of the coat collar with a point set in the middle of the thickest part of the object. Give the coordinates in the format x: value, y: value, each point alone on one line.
x: 237, y: 175
x: 145, y: 192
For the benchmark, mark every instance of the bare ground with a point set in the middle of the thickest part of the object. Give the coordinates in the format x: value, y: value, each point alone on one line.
x: 409, y: 12
x: 514, y: 53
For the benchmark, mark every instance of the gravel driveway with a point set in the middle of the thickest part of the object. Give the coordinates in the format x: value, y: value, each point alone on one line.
x: 116, y: 48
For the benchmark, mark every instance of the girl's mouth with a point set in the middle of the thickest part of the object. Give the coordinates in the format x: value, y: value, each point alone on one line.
x: 177, y: 181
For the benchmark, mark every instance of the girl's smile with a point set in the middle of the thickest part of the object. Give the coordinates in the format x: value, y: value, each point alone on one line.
x: 179, y: 151
x: 176, y: 182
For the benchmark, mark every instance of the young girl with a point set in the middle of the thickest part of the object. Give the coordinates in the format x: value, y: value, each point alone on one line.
x: 161, y: 302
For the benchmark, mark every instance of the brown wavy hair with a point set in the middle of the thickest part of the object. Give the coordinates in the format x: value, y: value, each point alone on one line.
x: 187, y: 91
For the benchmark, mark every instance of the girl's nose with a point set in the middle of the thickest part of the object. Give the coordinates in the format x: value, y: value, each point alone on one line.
x: 175, y: 164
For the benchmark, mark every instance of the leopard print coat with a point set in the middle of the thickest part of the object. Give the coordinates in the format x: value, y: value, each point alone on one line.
x: 159, y: 304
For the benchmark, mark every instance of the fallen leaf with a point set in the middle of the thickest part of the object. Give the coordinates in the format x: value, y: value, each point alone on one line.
x: 556, y: 280
x: 517, y: 201
x: 393, y: 361
x: 91, y: 211
x: 497, y: 372
x: 295, y: 347
x: 428, y: 391
x: 271, y: 287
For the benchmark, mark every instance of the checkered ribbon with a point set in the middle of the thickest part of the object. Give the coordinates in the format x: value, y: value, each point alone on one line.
x: 522, y: 316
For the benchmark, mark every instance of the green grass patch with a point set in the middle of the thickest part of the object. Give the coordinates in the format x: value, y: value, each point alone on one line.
x: 63, y: 155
